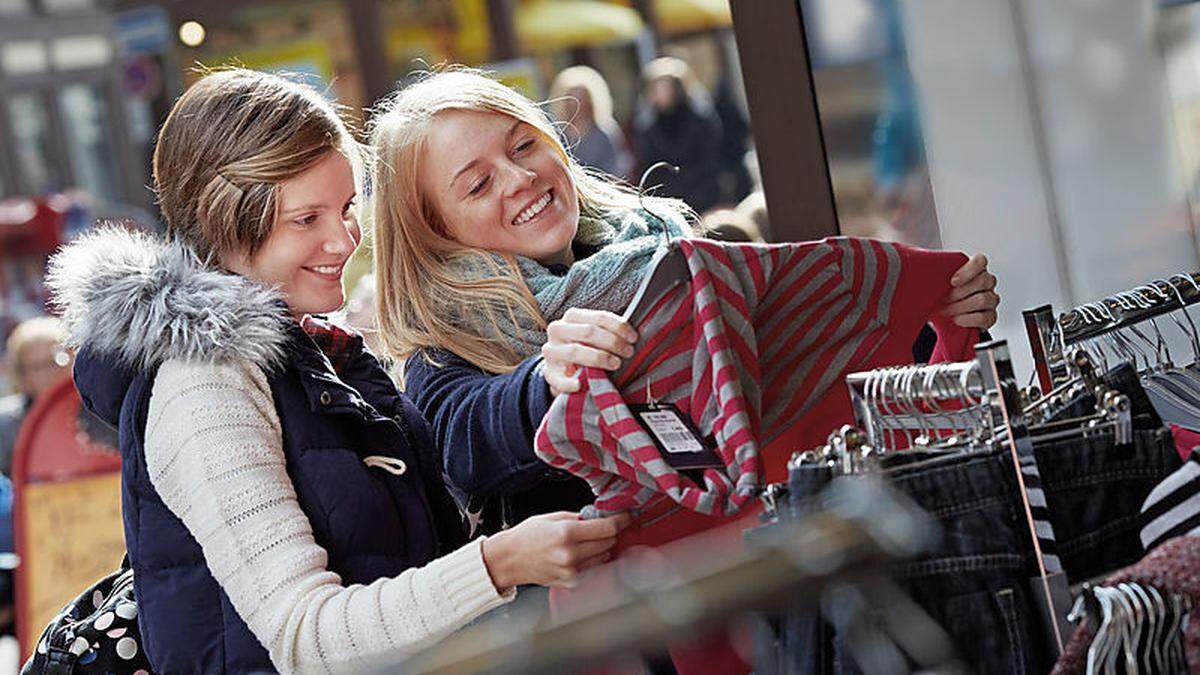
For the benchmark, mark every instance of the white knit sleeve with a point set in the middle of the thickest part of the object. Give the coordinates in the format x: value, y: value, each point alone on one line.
x: 214, y: 451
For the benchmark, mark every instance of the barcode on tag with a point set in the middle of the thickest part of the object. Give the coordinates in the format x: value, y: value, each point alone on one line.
x: 671, y: 432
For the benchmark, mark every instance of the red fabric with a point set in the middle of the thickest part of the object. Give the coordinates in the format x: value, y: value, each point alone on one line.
x: 923, y: 283
x: 334, y: 341
x: 1185, y: 440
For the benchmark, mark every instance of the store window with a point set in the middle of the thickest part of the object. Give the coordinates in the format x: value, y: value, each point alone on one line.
x: 85, y: 119
x: 30, y: 129
x: 14, y: 7
x: 1043, y: 134
x: 66, y: 6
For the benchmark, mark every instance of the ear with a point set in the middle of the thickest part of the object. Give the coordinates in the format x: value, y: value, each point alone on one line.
x: 239, y: 263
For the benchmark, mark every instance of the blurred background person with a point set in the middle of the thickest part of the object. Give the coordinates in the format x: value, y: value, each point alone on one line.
x: 678, y: 124
x: 730, y: 225
x: 36, y: 360
x: 581, y: 101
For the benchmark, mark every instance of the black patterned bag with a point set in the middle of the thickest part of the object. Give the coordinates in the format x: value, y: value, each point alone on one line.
x: 96, y: 633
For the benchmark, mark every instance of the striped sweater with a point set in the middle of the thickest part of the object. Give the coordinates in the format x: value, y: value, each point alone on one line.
x: 751, y: 343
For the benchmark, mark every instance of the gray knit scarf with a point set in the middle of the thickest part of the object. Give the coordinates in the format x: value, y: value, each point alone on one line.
x: 606, y: 279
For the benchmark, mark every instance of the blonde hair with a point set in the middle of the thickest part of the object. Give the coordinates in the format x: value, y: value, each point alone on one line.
x: 416, y: 287
x: 227, y: 144
x: 29, y: 332
x: 591, y: 81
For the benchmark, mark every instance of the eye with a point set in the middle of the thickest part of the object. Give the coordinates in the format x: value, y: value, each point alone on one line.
x: 349, y: 205
x: 306, y: 220
x: 523, y: 146
x: 478, y: 186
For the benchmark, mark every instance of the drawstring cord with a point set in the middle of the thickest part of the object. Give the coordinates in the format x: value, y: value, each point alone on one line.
x: 392, y: 465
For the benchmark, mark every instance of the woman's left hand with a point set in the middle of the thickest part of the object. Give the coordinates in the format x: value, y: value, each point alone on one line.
x: 973, y: 299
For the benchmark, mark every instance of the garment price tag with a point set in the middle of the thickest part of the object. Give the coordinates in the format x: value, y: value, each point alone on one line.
x: 676, y: 437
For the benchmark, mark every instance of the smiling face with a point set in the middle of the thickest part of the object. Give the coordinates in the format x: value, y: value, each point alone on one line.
x: 315, y: 232
x: 499, y: 185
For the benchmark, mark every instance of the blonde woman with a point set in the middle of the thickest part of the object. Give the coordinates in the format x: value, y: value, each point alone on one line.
x: 502, y: 266
x: 283, y: 506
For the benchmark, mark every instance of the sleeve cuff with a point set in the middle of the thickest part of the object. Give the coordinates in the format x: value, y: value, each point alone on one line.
x: 468, y: 585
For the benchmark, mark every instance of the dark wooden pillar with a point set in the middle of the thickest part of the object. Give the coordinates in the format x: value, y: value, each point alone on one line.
x: 503, y: 28
x: 370, y: 46
x: 783, y: 114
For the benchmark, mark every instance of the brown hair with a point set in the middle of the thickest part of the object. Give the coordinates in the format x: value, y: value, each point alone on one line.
x: 225, y: 147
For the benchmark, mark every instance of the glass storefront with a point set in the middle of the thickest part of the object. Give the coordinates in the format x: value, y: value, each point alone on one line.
x: 31, y: 132
x: 85, y: 119
x: 1058, y: 138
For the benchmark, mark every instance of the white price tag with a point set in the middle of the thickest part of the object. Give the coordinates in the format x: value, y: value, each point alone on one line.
x: 671, y: 432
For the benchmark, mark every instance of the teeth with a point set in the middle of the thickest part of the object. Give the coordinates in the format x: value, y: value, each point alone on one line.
x: 327, y: 269
x: 533, y: 209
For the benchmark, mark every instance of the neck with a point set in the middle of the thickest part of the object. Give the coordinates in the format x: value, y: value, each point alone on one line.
x: 563, y: 257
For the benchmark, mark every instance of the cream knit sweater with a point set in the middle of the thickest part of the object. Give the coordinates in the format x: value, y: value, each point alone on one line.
x: 214, y: 450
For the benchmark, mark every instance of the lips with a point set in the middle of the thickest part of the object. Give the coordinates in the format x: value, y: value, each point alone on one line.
x: 329, y: 272
x: 535, y: 209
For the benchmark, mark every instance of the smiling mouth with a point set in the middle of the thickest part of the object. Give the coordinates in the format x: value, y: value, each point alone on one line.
x: 331, y: 272
x: 535, y: 209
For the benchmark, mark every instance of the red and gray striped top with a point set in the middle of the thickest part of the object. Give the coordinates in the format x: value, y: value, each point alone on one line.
x: 750, y: 341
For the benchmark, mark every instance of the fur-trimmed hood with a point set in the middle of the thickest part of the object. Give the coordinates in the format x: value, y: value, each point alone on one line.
x: 131, y: 301
x: 141, y: 301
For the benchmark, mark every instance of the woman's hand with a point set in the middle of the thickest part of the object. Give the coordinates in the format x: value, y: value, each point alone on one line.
x: 584, y: 338
x: 973, y: 299
x: 551, y: 549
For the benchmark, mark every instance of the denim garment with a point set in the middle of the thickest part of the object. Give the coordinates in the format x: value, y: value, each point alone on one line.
x: 1095, y: 491
x: 975, y: 586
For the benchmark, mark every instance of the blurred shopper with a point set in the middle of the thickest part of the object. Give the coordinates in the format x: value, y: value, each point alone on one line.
x: 37, y: 360
x: 284, y: 508
x: 678, y: 124
x: 736, y: 181
x: 729, y: 225
x: 581, y: 100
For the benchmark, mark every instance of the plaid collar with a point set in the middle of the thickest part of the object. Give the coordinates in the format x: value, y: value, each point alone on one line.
x: 336, y: 342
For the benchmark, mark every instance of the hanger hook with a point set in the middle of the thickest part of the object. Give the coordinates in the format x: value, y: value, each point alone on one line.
x: 642, y: 193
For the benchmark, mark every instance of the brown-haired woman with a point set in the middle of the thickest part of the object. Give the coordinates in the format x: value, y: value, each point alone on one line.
x: 283, y: 506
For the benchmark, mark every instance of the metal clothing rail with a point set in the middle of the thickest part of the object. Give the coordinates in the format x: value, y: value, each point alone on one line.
x: 1050, y: 336
x: 987, y: 386
x: 861, y: 531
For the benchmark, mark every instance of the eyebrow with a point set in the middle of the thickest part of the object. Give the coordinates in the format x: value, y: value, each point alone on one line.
x: 471, y: 164
x: 315, y: 206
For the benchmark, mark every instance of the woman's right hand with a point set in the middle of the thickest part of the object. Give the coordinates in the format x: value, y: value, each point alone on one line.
x: 584, y: 338
x: 551, y: 549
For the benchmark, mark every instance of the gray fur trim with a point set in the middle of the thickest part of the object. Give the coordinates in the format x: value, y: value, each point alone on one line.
x: 143, y: 301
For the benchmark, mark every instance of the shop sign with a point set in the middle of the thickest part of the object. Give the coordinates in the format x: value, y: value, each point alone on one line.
x: 145, y: 30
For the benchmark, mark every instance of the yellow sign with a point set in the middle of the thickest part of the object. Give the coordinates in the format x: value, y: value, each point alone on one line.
x: 73, y: 537
x: 306, y: 57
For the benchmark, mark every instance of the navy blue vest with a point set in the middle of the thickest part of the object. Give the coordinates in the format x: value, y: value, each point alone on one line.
x: 372, y: 523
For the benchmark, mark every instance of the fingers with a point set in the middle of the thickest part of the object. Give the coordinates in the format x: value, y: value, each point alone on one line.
x: 971, y: 269
x: 591, y: 549
x: 559, y: 354
x: 985, y: 281
x: 601, y: 528
x: 980, y: 320
x: 980, y: 302
x: 606, y: 320
x: 561, y: 383
x: 595, y: 561
x: 605, y: 338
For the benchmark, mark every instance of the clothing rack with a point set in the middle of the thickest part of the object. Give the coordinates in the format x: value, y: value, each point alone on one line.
x: 1051, y: 336
x: 860, y: 532
x: 986, y: 387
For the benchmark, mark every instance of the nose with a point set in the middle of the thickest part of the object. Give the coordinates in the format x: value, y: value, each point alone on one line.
x: 343, y: 238
x: 518, y: 178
